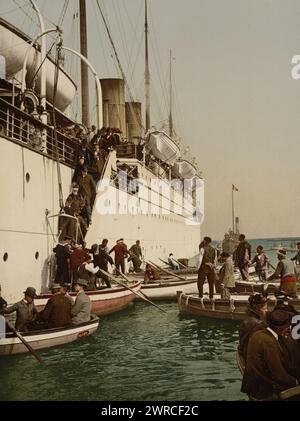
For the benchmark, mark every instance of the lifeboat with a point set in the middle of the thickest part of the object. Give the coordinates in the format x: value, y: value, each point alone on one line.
x: 163, y: 147
x: 184, y: 169
x: 13, y: 47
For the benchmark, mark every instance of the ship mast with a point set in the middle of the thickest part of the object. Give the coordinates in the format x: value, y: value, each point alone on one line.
x: 147, y: 72
x: 170, y: 87
x: 84, y: 68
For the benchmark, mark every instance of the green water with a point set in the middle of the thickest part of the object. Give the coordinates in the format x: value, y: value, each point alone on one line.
x: 137, y: 354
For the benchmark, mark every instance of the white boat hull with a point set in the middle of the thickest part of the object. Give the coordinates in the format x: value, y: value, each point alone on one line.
x: 47, y: 339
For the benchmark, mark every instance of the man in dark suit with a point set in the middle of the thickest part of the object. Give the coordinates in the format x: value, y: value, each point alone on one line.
x: 265, y: 374
x: 57, y: 312
x: 206, y: 268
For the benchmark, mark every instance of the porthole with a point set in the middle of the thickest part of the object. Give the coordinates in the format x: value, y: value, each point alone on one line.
x: 5, y: 256
x: 36, y: 255
x: 27, y: 176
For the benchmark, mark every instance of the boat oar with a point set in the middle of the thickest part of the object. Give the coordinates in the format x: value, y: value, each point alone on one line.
x: 132, y: 290
x: 30, y: 349
x: 167, y: 271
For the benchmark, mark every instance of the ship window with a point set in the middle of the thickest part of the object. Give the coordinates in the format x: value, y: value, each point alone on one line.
x: 27, y: 176
x: 5, y: 256
x: 36, y: 255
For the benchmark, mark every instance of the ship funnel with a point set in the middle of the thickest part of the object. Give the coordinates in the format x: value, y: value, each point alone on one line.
x: 134, y: 121
x: 2, y: 67
x: 113, y: 103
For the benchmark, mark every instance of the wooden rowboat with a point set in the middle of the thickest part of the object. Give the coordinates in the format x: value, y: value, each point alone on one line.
x: 41, y: 339
x: 104, y: 301
x: 292, y: 394
x: 218, y: 308
x: 167, y: 289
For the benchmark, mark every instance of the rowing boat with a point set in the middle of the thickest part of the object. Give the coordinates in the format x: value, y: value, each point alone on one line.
x: 104, y: 301
x: 41, y: 339
x: 218, y: 308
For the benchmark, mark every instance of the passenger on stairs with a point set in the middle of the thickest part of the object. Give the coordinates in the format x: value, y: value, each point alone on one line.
x: 78, y: 168
x: 87, y: 187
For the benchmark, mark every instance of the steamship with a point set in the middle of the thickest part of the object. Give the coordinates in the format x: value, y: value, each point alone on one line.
x: 38, y: 160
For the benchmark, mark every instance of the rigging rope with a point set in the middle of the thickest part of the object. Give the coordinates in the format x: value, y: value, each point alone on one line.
x: 57, y: 61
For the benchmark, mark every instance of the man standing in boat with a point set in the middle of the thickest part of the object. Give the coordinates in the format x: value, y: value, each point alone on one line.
x: 62, y: 253
x: 286, y: 271
x: 207, y: 255
x: 261, y: 263
x: 226, y: 276
x: 242, y: 256
x: 135, y: 252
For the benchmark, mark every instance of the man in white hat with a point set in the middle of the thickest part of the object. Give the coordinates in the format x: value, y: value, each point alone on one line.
x: 81, y: 310
x: 286, y: 271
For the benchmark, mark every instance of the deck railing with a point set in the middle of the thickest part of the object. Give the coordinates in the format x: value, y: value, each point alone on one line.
x: 28, y: 131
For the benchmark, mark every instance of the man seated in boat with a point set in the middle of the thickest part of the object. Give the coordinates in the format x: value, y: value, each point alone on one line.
x: 226, y: 275
x: 286, y: 271
x: 81, y: 310
x: 256, y: 319
x: 151, y: 274
x: 172, y: 262
x: 265, y: 374
x: 25, y: 309
x: 57, y: 312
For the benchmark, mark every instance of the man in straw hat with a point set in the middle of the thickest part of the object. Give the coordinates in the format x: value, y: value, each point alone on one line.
x: 265, y: 374
x: 25, y: 309
x: 81, y: 310
x: 286, y: 271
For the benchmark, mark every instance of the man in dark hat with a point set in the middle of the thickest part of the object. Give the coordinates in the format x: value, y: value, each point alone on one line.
x: 296, y: 258
x: 81, y: 310
x: 286, y: 271
x: 57, y: 312
x: 80, y: 164
x: 242, y: 256
x: 25, y: 309
x: 256, y: 319
x: 265, y: 375
x: 62, y: 253
x: 207, y: 255
x: 87, y: 188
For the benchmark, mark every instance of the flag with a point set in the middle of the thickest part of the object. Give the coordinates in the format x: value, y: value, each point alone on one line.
x: 234, y: 188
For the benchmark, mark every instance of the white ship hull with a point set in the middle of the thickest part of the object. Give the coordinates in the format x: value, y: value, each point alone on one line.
x: 26, y: 240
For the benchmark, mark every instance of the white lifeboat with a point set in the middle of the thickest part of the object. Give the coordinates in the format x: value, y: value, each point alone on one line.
x: 184, y: 169
x: 163, y: 147
x: 13, y: 47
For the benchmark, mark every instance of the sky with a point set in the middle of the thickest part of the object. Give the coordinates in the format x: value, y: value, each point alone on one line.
x: 236, y: 103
